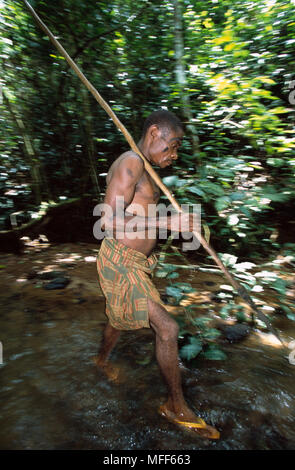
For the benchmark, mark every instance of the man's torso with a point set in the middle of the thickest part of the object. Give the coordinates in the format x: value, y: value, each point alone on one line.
x: 144, y: 202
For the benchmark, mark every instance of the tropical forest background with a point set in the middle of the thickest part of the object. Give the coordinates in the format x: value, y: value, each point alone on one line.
x: 225, y: 67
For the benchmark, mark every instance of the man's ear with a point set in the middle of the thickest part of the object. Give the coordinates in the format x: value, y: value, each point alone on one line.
x: 154, y: 131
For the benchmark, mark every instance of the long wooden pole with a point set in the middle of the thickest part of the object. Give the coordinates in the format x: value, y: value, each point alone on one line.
x: 237, y: 286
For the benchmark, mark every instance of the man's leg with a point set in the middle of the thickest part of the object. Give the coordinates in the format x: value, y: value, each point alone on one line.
x: 110, y: 338
x: 166, y: 330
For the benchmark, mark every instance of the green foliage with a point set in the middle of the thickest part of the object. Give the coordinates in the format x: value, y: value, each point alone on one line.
x: 200, y: 337
x: 239, y: 62
x: 56, y: 142
x: 191, y: 349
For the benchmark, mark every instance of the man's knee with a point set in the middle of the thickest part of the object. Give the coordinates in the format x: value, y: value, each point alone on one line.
x: 170, y: 330
x: 165, y: 327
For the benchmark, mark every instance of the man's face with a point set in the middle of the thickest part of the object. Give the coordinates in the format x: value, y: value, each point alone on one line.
x: 164, y: 147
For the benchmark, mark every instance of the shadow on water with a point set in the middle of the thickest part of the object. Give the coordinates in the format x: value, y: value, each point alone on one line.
x: 53, y: 397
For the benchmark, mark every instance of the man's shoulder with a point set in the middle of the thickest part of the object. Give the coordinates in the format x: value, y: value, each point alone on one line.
x: 130, y: 155
x: 128, y: 162
x: 130, y: 159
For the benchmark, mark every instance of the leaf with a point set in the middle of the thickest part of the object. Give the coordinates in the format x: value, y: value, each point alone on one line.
x: 280, y: 110
x: 289, y: 312
x: 228, y: 259
x: 184, y: 286
x: 196, y: 190
x: 276, y: 197
x: 192, y: 349
x: 174, y: 292
x: 167, y: 267
x: 211, y: 333
x: 277, y: 162
x: 237, y: 196
x: 279, y: 285
x: 173, y: 275
x: 161, y: 274
x: 170, y: 180
x: 222, y: 203
x: 225, y: 311
x: 201, y: 321
x: 233, y: 219
x: 229, y: 47
x: 267, y: 80
x: 214, y: 353
x: 212, y: 188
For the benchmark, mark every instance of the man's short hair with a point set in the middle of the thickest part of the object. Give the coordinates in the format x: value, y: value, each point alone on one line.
x: 165, y: 120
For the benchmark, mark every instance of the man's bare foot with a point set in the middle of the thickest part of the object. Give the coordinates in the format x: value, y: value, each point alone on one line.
x: 188, y: 420
x: 113, y: 372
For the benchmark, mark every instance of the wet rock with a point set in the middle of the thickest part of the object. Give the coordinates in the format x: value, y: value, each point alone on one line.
x: 57, y: 283
x: 49, y: 275
x: 235, y: 333
x: 32, y: 275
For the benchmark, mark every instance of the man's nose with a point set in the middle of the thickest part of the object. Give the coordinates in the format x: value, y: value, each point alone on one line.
x: 174, y: 155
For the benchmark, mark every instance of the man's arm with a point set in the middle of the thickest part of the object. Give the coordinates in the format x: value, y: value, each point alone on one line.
x: 120, y: 193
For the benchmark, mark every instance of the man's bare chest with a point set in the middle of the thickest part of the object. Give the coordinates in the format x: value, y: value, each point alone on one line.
x: 147, y: 190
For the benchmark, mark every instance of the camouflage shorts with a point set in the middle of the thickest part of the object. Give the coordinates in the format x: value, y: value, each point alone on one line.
x: 124, y: 277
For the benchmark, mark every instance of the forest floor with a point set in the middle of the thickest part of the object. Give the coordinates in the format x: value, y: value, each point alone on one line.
x: 52, y: 318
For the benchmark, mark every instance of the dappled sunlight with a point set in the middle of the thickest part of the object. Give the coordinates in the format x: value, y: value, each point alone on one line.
x: 196, y: 298
x: 90, y: 259
x: 268, y: 339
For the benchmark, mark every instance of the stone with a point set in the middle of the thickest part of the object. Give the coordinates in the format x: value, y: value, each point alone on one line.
x: 235, y: 333
x: 57, y: 283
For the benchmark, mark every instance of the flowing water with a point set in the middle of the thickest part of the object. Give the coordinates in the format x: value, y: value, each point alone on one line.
x: 53, y: 397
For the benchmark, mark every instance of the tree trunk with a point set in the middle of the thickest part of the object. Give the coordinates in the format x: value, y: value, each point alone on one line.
x: 180, y: 73
x: 89, y: 136
x: 29, y: 151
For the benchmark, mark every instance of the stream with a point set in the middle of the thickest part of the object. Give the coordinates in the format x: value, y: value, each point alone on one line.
x: 53, y: 397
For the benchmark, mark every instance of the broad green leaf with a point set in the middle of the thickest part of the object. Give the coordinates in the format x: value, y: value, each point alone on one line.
x: 192, y: 349
x: 184, y: 287
x: 211, y: 333
x: 170, y: 180
x: 214, y: 353
x: 173, y: 276
x: 195, y: 190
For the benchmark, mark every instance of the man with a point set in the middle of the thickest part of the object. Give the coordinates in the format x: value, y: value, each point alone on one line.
x: 125, y: 261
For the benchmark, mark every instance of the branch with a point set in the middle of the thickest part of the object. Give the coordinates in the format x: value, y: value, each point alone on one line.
x: 110, y: 31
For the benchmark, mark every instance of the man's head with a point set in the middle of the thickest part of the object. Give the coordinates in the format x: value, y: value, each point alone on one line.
x: 161, y: 137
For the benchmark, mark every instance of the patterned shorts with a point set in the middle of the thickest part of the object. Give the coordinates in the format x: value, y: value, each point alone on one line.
x: 124, y: 277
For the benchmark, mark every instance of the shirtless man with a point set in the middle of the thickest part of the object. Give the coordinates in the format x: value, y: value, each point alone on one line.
x: 127, y: 177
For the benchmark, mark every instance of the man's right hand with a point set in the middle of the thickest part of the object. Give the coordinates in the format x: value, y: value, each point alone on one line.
x: 183, y: 222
